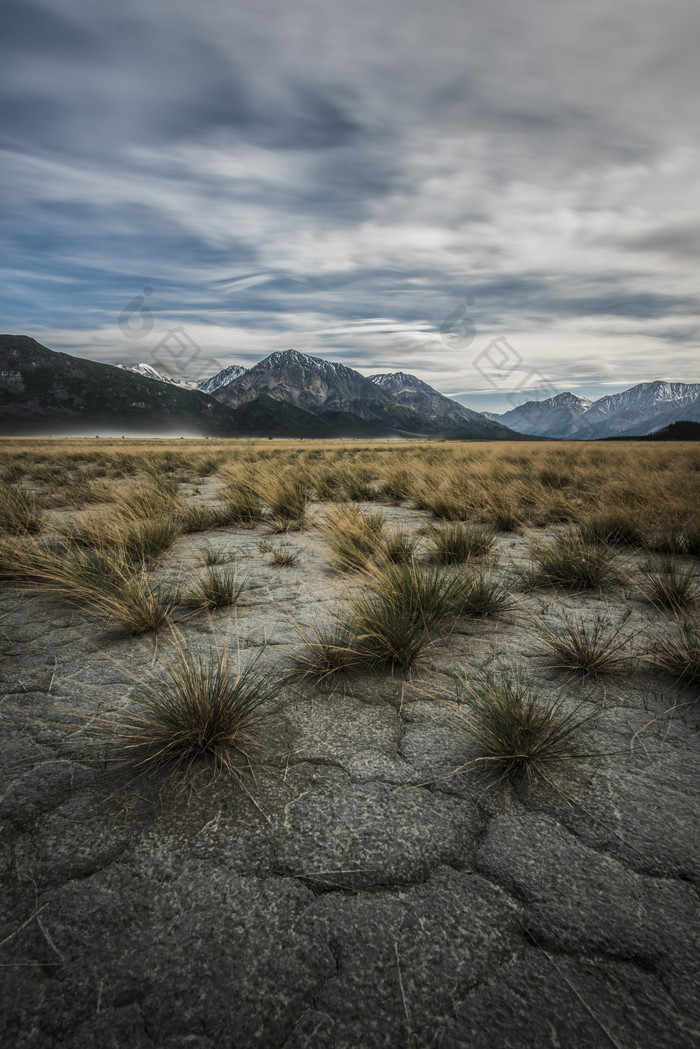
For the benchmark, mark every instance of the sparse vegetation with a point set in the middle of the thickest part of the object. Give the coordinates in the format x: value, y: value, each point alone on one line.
x: 354, y: 536
x: 283, y: 555
x: 20, y: 511
x: 114, y: 588
x: 325, y: 652
x: 485, y: 595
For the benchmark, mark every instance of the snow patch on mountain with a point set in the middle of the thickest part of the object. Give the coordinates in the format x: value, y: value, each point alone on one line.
x: 149, y: 372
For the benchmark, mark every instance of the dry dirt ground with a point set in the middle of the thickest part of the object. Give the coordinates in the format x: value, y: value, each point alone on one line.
x: 355, y: 892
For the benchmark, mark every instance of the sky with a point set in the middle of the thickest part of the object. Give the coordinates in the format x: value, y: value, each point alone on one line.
x: 499, y: 198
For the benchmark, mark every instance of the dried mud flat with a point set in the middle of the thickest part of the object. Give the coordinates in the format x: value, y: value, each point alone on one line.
x: 356, y: 892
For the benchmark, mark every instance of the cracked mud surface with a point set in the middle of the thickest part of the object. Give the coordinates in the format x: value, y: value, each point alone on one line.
x: 357, y: 893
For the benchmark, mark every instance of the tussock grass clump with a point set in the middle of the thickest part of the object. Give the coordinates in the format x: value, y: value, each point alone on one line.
x: 217, y: 555
x: 504, y: 513
x: 242, y: 498
x: 665, y: 537
x: 398, y: 486
x: 447, y: 503
x: 587, y: 647
x: 484, y: 596
x: 617, y: 527
x: 100, y: 579
x: 287, y: 500
x: 353, y: 536
x: 20, y: 511
x: 691, y: 538
x: 126, y: 534
x: 282, y: 556
x: 457, y: 543
x: 326, y: 652
x: 154, y: 495
x: 399, y: 610
x: 571, y: 561
x: 217, y: 587
x: 516, y: 730
x: 666, y: 586
x: 397, y: 547
x: 675, y: 650
x: 12, y: 472
x: 196, y: 518
x: 197, y: 710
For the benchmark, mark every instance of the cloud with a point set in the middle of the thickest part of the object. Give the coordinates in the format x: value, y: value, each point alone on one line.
x: 343, y: 178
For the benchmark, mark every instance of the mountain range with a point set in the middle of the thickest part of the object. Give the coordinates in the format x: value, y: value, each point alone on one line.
x: 641, y: 410
x: 291, y: 394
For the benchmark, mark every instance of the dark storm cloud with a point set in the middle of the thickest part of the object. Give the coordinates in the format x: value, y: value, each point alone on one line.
x: 343, y: 177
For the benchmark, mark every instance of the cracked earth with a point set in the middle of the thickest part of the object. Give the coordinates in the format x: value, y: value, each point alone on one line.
x: 355, y: 891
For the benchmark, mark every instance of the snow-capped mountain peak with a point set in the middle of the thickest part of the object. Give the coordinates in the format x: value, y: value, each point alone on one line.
x: 552, y: 417
x: 222, y: 378
x: 643, y: 408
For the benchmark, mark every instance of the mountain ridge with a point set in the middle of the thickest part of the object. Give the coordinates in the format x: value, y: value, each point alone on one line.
x: 635, y: 412
x: 331, y: 389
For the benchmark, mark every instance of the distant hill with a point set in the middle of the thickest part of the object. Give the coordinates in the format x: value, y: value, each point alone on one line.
x: 685, y: 430
x: 45, y: 392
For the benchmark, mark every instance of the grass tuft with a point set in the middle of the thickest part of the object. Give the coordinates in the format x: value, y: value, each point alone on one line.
x: 585, y: 647
x: 353, y: 536
x: 516, y: 730
x: 571, y: 561
x: 217, y: 587
x: 457, y: 543
x: 213, y: 555
x: 326, y: 652
x: 196, y: 710
x: 397, y: 547
x: 484, y: 596
x: 20, y: 511
x: 675, y: 650
x: 666, y: 586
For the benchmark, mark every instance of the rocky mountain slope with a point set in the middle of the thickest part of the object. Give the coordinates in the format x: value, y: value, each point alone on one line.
x: 286, y: 395
x: 414, y: 393
x: 335, y: 392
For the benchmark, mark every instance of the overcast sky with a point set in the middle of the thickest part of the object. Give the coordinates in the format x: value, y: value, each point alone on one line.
x: 389, y: 183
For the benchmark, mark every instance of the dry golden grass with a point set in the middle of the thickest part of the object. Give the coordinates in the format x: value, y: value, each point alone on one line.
x: 626, y: 493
